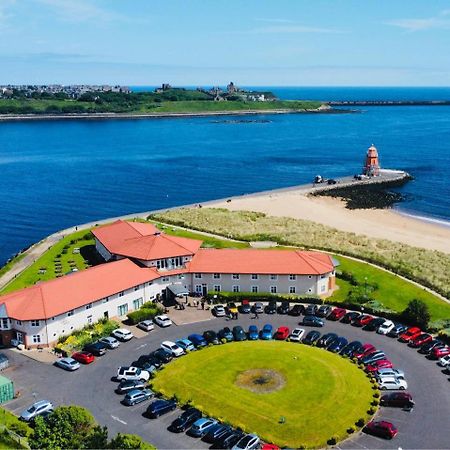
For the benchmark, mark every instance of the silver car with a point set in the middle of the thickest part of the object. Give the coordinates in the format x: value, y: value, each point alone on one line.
x: 68, y: 364
x: 396, y: 373
x: 219, y: 311
x: 36, y: 409
x: 110, y: 342
x: 146, y: 325
x: 137, y: 396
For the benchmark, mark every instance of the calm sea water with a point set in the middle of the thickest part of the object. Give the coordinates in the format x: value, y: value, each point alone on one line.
x: 59, y: 173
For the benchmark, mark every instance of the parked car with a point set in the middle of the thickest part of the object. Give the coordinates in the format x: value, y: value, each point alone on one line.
x: 439, y: 352
x: 36, y: 409
x: 311, y: 337
x: 258, y: 308
x: 122, y: 334
x: 163, y: 321
x: 311, y: 310
x: 326, y: 339
x: 398, y: 399
x: 281, y: 334
x: 245, y: 307
x: 219, y: 311
x: 324, y: 311
x: 337, y: 345
x: 381, y: 428
x: 159, y: 408
x: 374, y: 324
x: 185, y: 420
x: 96, y: 348
x: 420, y: 340
x: 362, y: 320
x: 144, y: 365
x: 392, y: 383
x: 136, y: 396
x: 397, y: 330
x: 444, y: 361
x: 163, y: 355
x: 385, y: 327
x: 350, y: 316
x: 83, y: 357
x: 297, y: 334
x: 253, y: 333
x: 337, y: 314
x: 377, y: 365
x: 266, y: 332
x: 247, y: 442
x: 427, y: 348
x: 364, y: 350
x: 296, y: 310
x: 283, y: 308
x: 313, y: 321
x: 211, y: 337
x: 110, y: 342
x: 201, y: 427
x: 351, y: 348
x: 231, y: 308
x: 150, y: 359
x: 397, y: 373
x: 271, y: 308
x: 239, y: 333
x: 185, y: 344
x: 229, y: 439
x: 172, y: 348
x: 215, y: 432
x: 197, y: 339
x: 130, y: 385
x: 410, y: 334
x: 146, y: 325
x: 131, y: 373
x: 68, y: 364
x: 225, y: 333
x: 372, y: 357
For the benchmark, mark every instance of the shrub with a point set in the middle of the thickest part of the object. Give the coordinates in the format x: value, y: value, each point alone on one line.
x: 20, y: 428
x: 376, y: 395
x: 143, y: 314
x: 360, y: 422
x: 371, y: 411
x: 375, y: 403
x: 332, y: 441
x: 351, y: 430
x: 417, y: 313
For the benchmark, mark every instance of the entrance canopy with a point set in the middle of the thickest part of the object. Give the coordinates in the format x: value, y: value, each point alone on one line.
x: 178, y: 290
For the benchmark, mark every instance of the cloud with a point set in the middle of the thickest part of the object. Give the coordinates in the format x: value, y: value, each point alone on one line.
x: 436, y: 22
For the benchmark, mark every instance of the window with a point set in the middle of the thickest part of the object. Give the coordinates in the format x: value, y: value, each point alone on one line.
x: 235, y: 288
x: 324, y: 288
x: 198, y: 275
x: 254, y: 276
x: 292, y: 277
x: 105, y: 300
x: 254, y: 288
x: 89, y: 305
x: 36, y: 338
x: 273, y: 277
x: 165, y: 279
x: 121, y: 294
x: 150, y: 283
x: 18, y: 322
x: 35, y: 323
x: 217, y: 287
x: 122, y: 309
x: 322, y: 276
x: 138, y: 303
x: 89, y: 319
x: 216, y: 276
x: 309, y: 276
x: 291, y: 289
x: 273, y: 289
x: 309, y: 290
x: 5, y: 323
x: 235, y: 276
x: 198, y: 288
x: 161, y: 264
x: 180, y: 276
x: 70, y: 313
x: 136, y: 288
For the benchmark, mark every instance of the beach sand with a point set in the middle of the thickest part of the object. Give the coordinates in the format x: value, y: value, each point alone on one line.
x: 384, y: 224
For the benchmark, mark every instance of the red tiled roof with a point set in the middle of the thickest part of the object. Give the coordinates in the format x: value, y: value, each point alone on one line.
x: 142, y: 242
x: 50, y: 298
x: 248, y: 261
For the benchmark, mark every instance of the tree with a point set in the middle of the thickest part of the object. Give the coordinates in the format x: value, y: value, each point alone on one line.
x: 129, y: 441
x: 98, y: 438
x: 417, y: 313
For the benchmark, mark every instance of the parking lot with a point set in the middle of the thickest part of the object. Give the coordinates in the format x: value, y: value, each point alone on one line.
x: 426, y: 426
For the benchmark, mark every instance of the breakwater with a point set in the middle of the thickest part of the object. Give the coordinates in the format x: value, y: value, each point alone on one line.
x: 389, y: 103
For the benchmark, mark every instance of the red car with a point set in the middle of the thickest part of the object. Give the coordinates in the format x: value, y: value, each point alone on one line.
x: 439, y: 352
x: 83, y: 357
x: 365, y: 350
x: 362, y: 320
x: 381, y: 428
x: 420, y: 340
x: 381, y: 364
x: 410, y: 334
x: 270, y: 447
x: 282, y: 333
x: 337, y: 314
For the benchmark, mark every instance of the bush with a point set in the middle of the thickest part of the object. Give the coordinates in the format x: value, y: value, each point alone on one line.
x: 376, y: 395
x: 144, y: 314
x: 417, y: 313
x: 20, y: 428
x: 360, y: 422
x: 332, y: 441
x: 375, y: 403
x: 351, y: 430
x: 371, y: 411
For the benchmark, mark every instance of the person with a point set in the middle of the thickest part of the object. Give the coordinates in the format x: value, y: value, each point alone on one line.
x: 256, y: 314
x: 203, y: 304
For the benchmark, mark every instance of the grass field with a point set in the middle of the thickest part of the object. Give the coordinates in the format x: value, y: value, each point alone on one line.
x: 323, y: 394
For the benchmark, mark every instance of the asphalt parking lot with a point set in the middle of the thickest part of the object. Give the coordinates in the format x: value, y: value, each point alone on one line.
x: 426, y: 426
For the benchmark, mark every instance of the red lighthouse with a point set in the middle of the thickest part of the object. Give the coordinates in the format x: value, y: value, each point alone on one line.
x: 372, y: 166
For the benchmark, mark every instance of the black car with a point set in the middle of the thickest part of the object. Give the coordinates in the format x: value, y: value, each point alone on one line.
x: 350, y: 349
x: 326, y: 339
x: 228, y: 440
x: 245, y: 307
x: 374, y: 324
x: 153, y: 360
x: 429, y: 346
x: 211, y: 337
x: 296, y: 310
x: 350, y: 317
x: 144, y: 365
x: 225, y: 333
x: 96, y: 348
x: 271, y: 308
x: 312, y: 321
x: 162, y: 355
x: 397, y: 330
x: 337, y: 345
x: 215, y: 432
x: 283, y: 308
x: 129, y: 385
x: 239, y: 333
x: 311, y: 337
x: 311, y: 310
x: 159, y: 408
x: 183, y: 422
x: 324, y: 311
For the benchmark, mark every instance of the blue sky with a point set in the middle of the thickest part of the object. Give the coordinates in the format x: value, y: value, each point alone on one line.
x: 210, y: 42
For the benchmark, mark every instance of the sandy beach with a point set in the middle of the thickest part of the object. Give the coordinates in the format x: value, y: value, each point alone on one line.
x: 384, y: 224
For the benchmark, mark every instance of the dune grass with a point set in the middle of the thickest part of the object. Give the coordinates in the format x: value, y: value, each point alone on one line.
x: 322, y: 397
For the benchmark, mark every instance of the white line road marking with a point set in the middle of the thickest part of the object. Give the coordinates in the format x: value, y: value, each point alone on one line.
x: 119, y: 420
x: 141, y: 346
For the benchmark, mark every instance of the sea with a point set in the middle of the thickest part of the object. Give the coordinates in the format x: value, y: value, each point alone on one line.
x: 56, y: 174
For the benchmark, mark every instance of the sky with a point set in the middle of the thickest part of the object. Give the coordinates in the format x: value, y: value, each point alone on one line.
x: 211, y: 42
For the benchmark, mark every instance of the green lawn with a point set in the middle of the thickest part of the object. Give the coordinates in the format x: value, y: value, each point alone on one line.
x: 324, y: 394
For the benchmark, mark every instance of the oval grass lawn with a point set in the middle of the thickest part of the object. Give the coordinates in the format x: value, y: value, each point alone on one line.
x: 322, y: 394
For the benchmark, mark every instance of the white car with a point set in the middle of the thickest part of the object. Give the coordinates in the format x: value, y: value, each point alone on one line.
x: 396, y: 373
x: 387, y: 326
x: 122, y: 334
x: 247, y: 442
x: 146, y: 325
x: 172, y: 348
x: 67, y: 364
x: 297, y: 334
x: 132, y: 373
x: 163, y: 321
x: 219, y: 311
x: 444, y: 361
x: 109, y: 341
x: 392, y: 383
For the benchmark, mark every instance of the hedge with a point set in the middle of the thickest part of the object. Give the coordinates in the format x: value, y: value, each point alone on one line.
x: 226, y: 297
x: 147, y: 311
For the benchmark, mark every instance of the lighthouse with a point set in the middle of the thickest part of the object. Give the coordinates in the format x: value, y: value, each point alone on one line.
x: 372, y: 166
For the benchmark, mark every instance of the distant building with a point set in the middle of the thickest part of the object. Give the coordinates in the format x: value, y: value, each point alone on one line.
x: 231, y: 88
x: 372, y: 165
